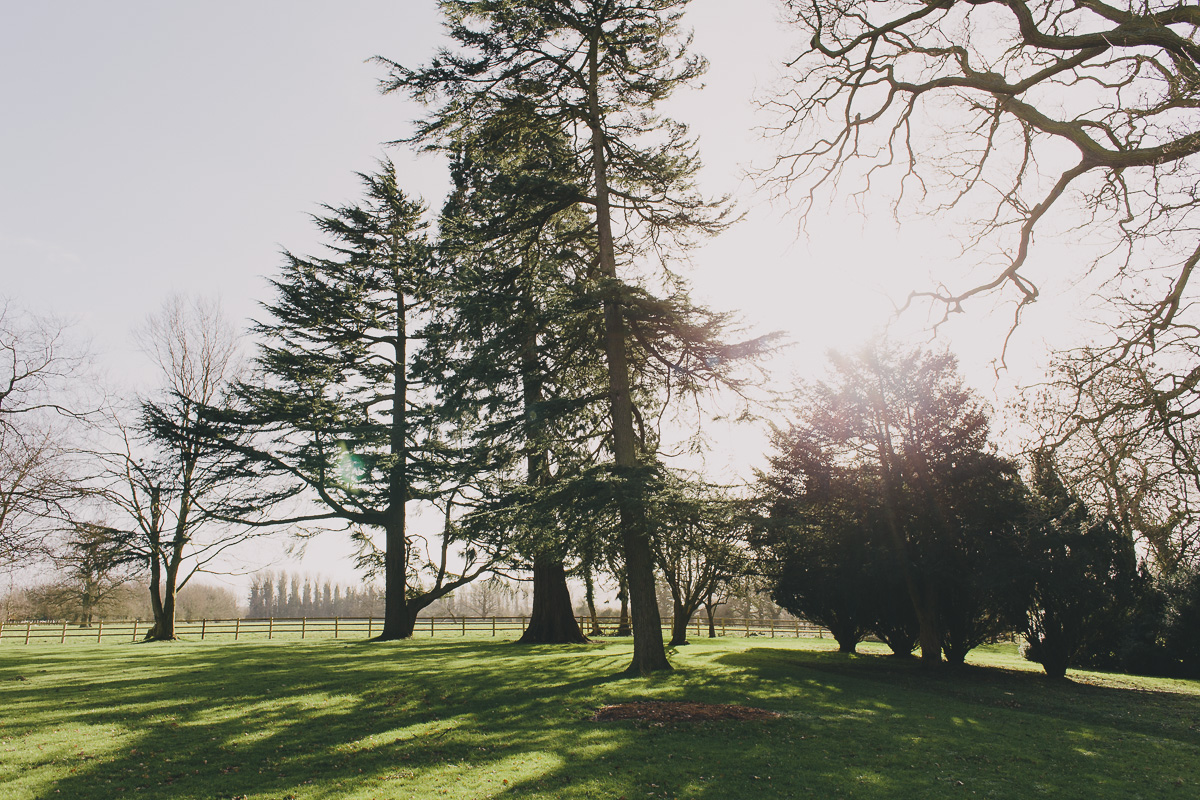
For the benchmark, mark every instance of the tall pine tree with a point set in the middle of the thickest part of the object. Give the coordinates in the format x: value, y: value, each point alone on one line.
x: 514, y: 339
x: 596, y: 70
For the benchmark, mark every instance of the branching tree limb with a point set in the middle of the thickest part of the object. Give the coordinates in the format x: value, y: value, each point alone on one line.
x: 1027, y: 106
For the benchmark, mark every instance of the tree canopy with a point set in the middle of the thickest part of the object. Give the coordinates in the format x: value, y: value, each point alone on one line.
x: 885, y: 484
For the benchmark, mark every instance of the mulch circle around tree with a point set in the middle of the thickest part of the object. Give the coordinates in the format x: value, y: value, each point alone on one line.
x: 680, y: 711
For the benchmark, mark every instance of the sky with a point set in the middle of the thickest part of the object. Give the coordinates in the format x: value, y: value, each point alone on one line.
x: 153, y: 148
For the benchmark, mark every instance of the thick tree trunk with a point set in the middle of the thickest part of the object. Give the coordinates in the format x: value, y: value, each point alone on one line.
x: 1051, y: 646
x: 164, y: 586
x: 553, y: 619
x: 712, y: 625
x: 398, y: 618
x: 397, y: 621
x: 165, y: 627
x: 679, y: 622
x: 87, y: 603
x: 956, y: 656
x: 649, y: 653
x: 162, y: 600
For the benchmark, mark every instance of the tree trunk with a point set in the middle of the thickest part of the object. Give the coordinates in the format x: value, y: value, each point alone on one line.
x: 649, y: 654
x: 590, y: 596
x: 165, y: 626
x: 956, y: 656
x: 553, y: 619
x: 679, y: 622
x: 712, y: 626
x: 398, y: 619
x: 156, y: 604
x: 163, y: 603
x: 927, y: 636
x: 88, y: 604
x: 163, y: 590
x: 623, y: 619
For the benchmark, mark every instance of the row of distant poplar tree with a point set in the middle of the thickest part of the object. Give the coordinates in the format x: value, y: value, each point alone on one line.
x: 290, y: 595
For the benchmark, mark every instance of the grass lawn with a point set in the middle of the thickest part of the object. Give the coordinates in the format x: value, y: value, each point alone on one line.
x: 480, y: 718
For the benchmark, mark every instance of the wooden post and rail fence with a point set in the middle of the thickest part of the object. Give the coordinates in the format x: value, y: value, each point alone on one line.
x: 296, y: 628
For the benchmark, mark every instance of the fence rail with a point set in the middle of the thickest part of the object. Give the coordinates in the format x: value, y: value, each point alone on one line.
x: 26, y: 632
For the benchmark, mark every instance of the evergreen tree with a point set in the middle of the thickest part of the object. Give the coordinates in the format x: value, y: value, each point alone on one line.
x: 513, y: 341
x: 887, y: 481
x: 1087, y: 578
x: 334, y: 407
x: 596, y: 70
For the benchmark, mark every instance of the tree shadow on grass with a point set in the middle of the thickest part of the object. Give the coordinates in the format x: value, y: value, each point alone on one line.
x: 481, y: 719
x: 1085, y: 700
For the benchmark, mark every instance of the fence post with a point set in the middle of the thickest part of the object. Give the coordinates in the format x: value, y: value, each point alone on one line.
x: 237, y: 628
x: 64, y: 633
x: 371, y: 627
x: 493, y: 628
x: 99, y: 631
x: 203, y: 627
x: 697, y: 626
x: 135, y: 624
x: 431, y: 627
x: 335, y: 627
x: 270, y: 628
x: 303, y: 626
x: 722, y: 626
x: 464, y: 625
x: 27, y: 626
x: 1, y: 630
x: 772, y: 629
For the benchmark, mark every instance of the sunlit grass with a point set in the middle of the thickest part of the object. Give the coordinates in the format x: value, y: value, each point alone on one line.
x: 470, y: 718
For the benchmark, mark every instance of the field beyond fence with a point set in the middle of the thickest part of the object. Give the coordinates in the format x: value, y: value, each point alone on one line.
x: 29, y: 632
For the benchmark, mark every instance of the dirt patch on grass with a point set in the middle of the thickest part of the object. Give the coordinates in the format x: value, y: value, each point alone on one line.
x: 680, y: 711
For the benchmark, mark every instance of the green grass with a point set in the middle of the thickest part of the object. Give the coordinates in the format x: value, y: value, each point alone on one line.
x: 471, y: 718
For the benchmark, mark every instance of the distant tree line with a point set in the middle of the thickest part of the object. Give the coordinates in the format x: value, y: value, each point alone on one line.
x: 61, y: 601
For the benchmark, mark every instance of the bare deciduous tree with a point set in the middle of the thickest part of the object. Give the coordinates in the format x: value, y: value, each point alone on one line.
x: 37, y: 368
x: 1126, y: 456
x: 175, y: 494
x: 697, y: 547
x: 1032, y: 106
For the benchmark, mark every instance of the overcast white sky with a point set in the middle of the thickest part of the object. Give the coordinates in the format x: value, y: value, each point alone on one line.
x: 148, y: 148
